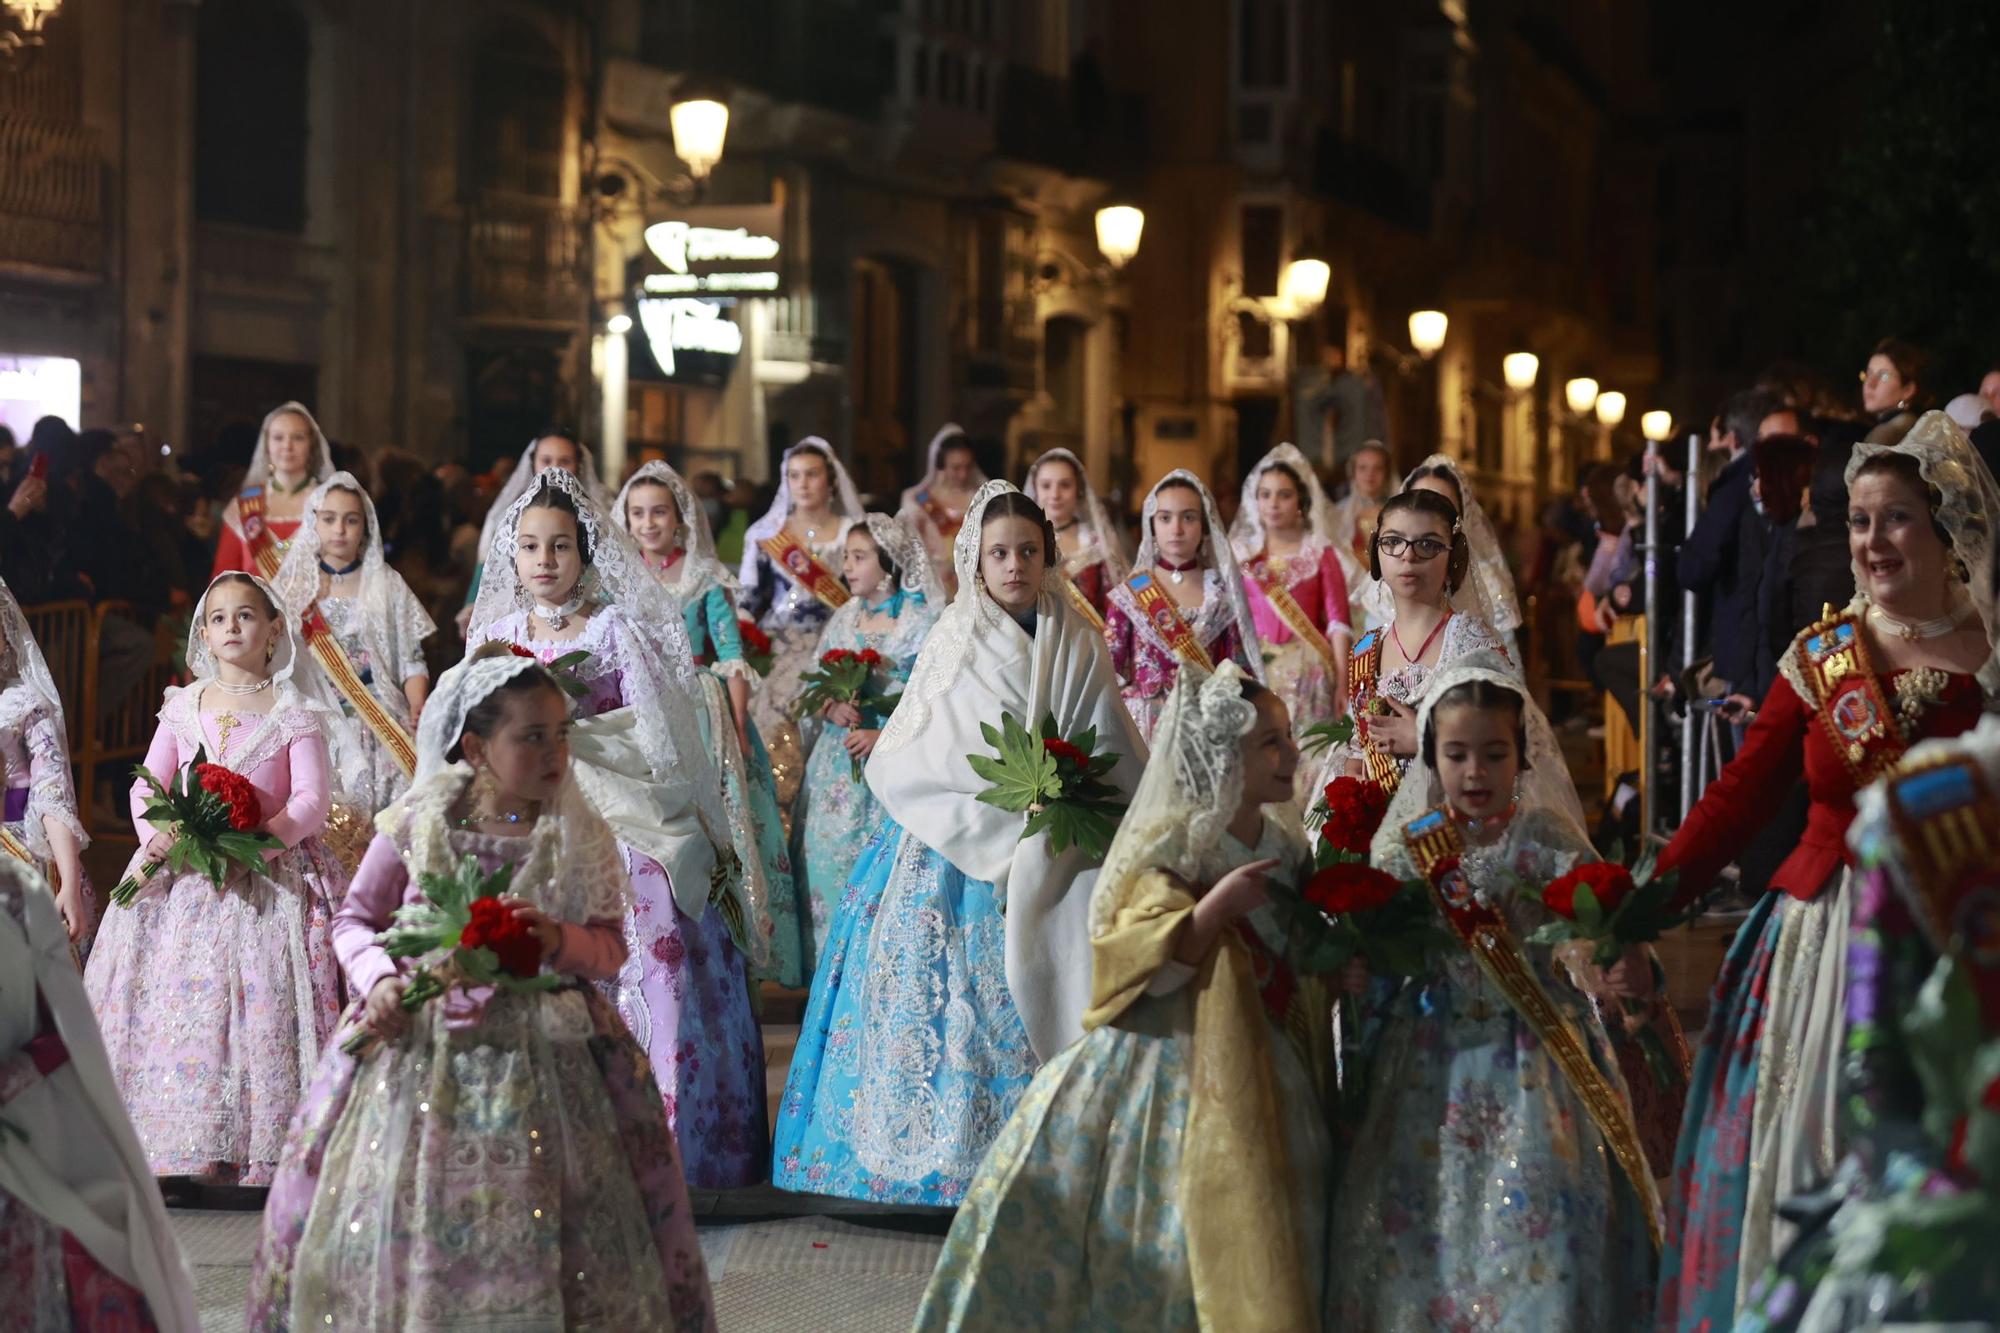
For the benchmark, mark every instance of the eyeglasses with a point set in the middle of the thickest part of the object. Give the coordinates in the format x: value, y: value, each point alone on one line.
x: 1879, y: 376
x: 1421, y: 549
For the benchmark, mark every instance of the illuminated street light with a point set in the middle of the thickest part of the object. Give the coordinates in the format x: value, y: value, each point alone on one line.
x: 1610, y: 407
x: 1118, y: 230
x: 1302, y: 288
x: 700, y: 125
x: 1657, y: 426
x: 1580, y: 393
x: 1427, y: 330
x: 1519, y: 370
x: 618, y: 325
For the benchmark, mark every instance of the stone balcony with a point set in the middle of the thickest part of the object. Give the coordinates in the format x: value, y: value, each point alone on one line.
x: 51, y: 199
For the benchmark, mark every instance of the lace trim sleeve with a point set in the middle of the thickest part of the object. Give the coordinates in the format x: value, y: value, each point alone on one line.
x: 51, y: 792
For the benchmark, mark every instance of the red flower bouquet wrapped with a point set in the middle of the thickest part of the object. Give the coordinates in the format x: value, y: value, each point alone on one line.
x: 757, y: 649
x: 466, y: 938
x: 212, y: 813
x: 1058, y: 783
x: 1611, y: 908
x: 844, y: 676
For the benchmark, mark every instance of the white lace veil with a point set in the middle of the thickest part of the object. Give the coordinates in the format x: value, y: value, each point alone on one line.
x: 524, y: 472
x: 666, y: 684
x: 1110, y: 544
x: 1214, y: 553
x: 1188, y: 793
x: 295, y: 676
x: 699, y: 565
x: 949, y: 433
x: 1968, y: 512
x: 846, y: 500
x: 1488, y: 591
x: 902, y: 546
x: 319, y: 467
x: 1246, y: 532
x: 30, y: 667
x: 1544, y: 785
x: 297, y: 581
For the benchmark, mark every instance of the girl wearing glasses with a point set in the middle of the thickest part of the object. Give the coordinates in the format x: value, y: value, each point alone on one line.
x: 1420, y: 555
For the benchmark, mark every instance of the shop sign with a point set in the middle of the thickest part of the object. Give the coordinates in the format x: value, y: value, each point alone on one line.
x: 720, y: 250
x: 687, y: 324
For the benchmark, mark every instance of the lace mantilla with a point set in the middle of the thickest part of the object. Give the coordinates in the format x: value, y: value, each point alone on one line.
x: 392, y: 622
x: 295, y: 677
x: 900, y: 541
x: 1246, y: 531
x: 1215, y: 554
x: 517, y: 486
x: 699, y: 569
x: 1104, y: 543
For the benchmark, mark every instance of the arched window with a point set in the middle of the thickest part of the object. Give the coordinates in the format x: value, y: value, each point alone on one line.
x: 516, y: 132
x: 250, y: 114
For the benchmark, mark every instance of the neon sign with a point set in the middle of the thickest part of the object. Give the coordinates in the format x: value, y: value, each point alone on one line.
x: 722, y: 249
x: 684, y: 324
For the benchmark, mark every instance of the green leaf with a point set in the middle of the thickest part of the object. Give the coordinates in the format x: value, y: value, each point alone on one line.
x: 1589, y: 915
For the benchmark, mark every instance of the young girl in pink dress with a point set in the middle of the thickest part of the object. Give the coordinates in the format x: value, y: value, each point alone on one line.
x: 490, y: 1160
x: 215, y: 999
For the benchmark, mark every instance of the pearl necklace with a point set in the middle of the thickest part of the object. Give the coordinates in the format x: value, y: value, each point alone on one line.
x: 472, y: 817
x: 241, y: 691
x: 557, y: 617
x: 1911, y: 631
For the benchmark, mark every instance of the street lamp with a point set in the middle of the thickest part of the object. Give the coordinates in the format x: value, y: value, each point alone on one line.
x: 1302, y: 287
x: 1118, y: 230
x: 28, y: 17
x: 1580, y: 393
x: 700, y: 125
x: 1657, y: 425
x: 1427, y: 330
x: 1610, y: 408
x: 618, y: 325
x: 1519, y: 370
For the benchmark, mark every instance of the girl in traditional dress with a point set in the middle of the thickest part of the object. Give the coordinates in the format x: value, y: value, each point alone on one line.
x: 1496, y: 1179
x: 1298, y: 592
x: 551, y: 448
x: 958, y: 958
x: 1093, y: 549
x: 667, y: 521
x: 85, y: 1244
x: 494, y: 1159
x: 1170, y: 1169
x: 1353, y: 522
x: 1920, y: 1088
x: 41, y: 826
x: 1488, y: 589
x: 891, y: 612
x: 216, y: 999
x: 291, y: 458
x: 367, y: 630
x: 1159, y: 617
x: 1420, y: 555
x: 1911, y: 657
x: 576, y: 583
x: 790, y: 588
x: 935, y: 507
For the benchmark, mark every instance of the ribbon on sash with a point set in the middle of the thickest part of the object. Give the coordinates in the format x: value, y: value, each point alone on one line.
x: 1434, y: 842
x: 340, y: 669
x: 800, y: 565
x: 1364, y: 669
x: 1167, y: 621
x: 1272, y: 584
x: 1848, y: 699
x: 1948, y: 818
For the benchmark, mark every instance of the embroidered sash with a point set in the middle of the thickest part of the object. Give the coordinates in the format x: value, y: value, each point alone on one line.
x: 1848, y: 700
x: 1287, y: 606
x: 1363, y: 671
x: 1167, y: 621
x: 14, y: 847
x: 1948, y: 818
x: 942, y: 518
x: 340, y: 669
x: 264, y: 550
x: 1434, y: 841
x: 799, y: 563
x: 1082, y: 604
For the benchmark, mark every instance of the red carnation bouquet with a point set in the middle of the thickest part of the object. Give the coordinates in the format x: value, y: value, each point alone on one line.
x: 1057, y: 782
x: 1347, y: 908
x: 567, y: 669
x: 844, y: 676
x: 1354, y: 808
x: 212, y: 814
x: 466, y: 938
x: 1611, y: 908
x: 757, y: 649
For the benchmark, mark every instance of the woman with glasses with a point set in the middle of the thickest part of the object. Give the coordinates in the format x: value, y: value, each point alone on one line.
x: 1420, y: 555
x: 1892, y: 389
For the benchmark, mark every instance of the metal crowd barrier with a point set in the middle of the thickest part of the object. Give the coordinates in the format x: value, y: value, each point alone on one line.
x: 1702, y: 751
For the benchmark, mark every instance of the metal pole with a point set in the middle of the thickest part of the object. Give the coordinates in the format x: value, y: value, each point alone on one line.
x: 1647, y: 740
x: 1690, y: 481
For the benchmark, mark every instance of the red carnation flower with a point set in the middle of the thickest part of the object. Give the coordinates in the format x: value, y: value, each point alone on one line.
x: 870, y: 658
x: 1065, y: 752
x: 1350, y: 886
x: 1354, y: 811
x: 519, y: 651
x: 512, y: 940
x: 755, y: 640
x: 238, y: 797
x: 1610, y: 883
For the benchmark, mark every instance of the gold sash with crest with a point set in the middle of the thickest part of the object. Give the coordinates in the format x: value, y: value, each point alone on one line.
x: 1363, y: 671
x: 1434, y: 841
x: 1167, y: 621
x: 803, y: 567
x: 346, y: 678
x: 1846, y: 697
x: 1947, y: 817
x: 1272, y: 584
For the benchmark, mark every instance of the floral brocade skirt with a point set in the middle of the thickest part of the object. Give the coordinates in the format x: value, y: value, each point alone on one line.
x: 514, y: 1174
x: 836, y: 814
x: 911, y: 1054
x: 1299, y: 676
x: 757, y: 832
x: 793, y: 653
x: 215, y: 1006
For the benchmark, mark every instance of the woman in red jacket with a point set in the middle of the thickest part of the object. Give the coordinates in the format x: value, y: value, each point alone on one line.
x: 1910, y: 658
